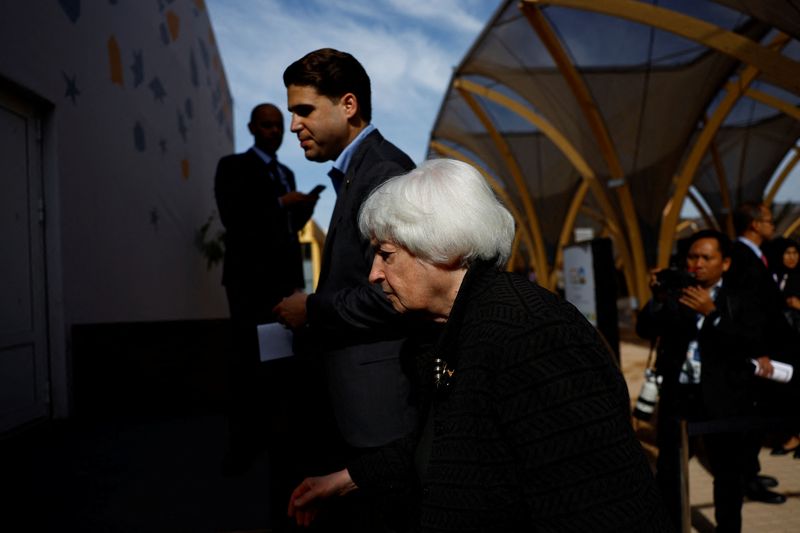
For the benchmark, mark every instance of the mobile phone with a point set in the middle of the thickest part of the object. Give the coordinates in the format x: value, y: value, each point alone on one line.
x: 316, y: 190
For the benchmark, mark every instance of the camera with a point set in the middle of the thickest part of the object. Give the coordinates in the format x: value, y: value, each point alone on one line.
x: 648, y: 396
x: 670, y: 282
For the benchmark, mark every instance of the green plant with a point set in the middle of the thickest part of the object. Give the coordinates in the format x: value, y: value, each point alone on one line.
x: 210, y: 243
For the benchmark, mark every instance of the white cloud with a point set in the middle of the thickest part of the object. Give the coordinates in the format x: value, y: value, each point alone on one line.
x: 408, y: 48
x: 455, y: 14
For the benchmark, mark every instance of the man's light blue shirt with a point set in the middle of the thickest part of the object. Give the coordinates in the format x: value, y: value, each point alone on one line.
x: 339, y: 169
x: 343, y: 161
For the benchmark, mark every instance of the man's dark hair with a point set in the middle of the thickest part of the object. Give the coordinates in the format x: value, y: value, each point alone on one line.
x: 723, y: 242
x: 333, y: 74
x: 744, y: 215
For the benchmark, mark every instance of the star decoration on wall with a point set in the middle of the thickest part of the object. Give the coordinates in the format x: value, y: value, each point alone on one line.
x: 158, y: 90
x: 162, y: 29
x: 137, y: 68
x: 72, y: 90
x: 204, y: 52
x: 182, y: 126
x: 72, y: 9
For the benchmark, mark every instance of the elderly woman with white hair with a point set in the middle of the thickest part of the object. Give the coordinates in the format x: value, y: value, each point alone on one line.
x: 525, y: 421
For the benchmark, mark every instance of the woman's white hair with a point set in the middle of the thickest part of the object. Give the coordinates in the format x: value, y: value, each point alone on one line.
x: 443, y: 212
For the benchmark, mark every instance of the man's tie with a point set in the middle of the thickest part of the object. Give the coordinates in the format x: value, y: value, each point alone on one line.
x: 764, y: 260
x: 275, y: 176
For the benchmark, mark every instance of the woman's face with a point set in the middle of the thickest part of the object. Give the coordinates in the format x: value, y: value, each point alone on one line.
x: 791, y: 256
x: 410, y: 283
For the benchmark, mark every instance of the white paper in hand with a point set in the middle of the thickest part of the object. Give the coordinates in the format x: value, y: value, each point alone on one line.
x: 781, y: 372
x: 274, y: 341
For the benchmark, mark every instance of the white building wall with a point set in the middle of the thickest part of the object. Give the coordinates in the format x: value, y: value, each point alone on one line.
x: 140, y: 114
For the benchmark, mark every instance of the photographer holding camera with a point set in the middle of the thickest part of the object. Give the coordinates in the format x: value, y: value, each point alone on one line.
x: 708, y: 335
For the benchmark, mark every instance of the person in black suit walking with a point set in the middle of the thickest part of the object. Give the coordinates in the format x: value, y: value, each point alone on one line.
x: 356, y: 331
x: 708, y: 334
x: 754, y: 226
x: 262, y: 213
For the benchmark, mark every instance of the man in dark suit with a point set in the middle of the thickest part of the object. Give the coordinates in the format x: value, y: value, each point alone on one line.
x: 355, y: 329
x: 754, y: 226
x: 708, y: 335
x: 262, y: 213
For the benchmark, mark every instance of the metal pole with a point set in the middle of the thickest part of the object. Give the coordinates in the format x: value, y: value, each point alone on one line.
x: 686, y: 511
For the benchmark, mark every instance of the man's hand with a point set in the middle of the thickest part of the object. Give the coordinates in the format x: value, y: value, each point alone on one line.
x: 698, y: 299
x: 291, y: 311
x: 654, y: 278
x: 305, y: 499
x: 765, y: 368
x: 793, y: 302
x: 293, y: 198
x: 659, y: 294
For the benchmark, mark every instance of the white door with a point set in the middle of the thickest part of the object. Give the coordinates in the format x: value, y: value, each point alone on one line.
x: 24, y: 376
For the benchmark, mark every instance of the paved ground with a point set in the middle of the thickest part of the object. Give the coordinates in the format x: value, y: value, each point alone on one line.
x: 756, y: 517
x: 163, y: 476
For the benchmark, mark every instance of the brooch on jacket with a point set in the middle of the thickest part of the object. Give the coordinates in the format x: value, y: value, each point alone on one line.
x: 441, y: 374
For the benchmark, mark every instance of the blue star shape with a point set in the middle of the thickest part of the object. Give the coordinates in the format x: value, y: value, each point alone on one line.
x: 72, y: 87
x: 158, y: 90
x: 137, y: 68
x: 181, y: 126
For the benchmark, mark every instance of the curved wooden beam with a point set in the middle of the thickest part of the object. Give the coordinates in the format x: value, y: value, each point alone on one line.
x: 566, y: 228
x: 778, y: 69
x: 496, y: 187
x: 542, y: 267
x: 572, y: 155
x: 685, y: 177
x: 707, y: 216
x: 541, y: 123
x: 683, y: 224
x: 773, y: 101
x: 724, y: 190
x: 609, y: 226
x: 778, y: 183
x: 790, y: 110
x: 792, y: 228
x: 607, y: 230
x: 598, y: 127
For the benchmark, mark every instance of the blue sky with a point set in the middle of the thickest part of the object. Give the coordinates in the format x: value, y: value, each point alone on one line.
x: 408, y: 47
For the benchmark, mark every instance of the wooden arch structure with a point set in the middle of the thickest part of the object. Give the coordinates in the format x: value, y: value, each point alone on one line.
x: 566, y: 122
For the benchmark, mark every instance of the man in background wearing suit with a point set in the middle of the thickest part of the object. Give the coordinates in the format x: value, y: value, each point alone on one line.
x: 708, y: 334
x: 262, y: 213
x: 355, y: 329
x: 754, y: 226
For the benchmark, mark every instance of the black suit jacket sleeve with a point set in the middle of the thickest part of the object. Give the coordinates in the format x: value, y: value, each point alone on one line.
x: 345, y: 302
